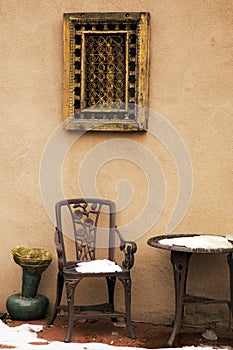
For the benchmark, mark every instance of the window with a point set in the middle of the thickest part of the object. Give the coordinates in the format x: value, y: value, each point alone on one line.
x: 106, y: 64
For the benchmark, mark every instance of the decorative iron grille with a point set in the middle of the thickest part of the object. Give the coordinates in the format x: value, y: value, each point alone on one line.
x: 106, y: 59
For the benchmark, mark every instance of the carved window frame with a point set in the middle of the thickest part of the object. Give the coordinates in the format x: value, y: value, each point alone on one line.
x: 106, y: 71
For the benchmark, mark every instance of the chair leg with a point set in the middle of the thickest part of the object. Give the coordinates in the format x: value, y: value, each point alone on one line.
x: 127, y: 287
x: 60, y: 284
x: 111, y: 288
x: 70, y: 289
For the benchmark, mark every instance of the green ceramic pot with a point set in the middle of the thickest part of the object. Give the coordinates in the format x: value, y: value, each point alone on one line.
x: 22, y: 309
x: 29, y: 305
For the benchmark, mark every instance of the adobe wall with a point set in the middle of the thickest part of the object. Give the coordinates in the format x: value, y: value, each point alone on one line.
x: 190, y: 88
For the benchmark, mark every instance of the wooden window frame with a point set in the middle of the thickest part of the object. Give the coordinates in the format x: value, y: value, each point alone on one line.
x: 106, y: 71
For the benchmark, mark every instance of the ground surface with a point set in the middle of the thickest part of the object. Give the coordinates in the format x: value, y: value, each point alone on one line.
x: 148, y: 335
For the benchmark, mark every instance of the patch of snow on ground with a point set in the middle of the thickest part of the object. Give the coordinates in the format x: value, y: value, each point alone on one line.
x: 21, y: 336
x: 18, y: 336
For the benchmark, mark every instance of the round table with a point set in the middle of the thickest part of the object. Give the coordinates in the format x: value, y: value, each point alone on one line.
x: 180, y: 256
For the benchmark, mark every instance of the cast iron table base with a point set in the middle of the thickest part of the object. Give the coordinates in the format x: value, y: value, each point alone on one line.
x: 180, y: 257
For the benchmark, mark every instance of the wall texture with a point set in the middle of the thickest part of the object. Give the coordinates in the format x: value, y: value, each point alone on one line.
x: 191, y: 86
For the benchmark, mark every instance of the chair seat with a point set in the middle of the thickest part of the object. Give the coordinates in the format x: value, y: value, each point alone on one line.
x: 98, y: 266
x: 94, y: 271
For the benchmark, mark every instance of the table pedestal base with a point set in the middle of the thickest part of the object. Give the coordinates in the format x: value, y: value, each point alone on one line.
x: 180, y: 262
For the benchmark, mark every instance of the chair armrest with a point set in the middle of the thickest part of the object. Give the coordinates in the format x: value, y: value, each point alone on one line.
x: 58, y: 242
x: 60, y: 249
x: 129, y: 248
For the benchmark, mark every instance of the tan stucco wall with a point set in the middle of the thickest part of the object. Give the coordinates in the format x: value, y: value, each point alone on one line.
x: 191, y: 85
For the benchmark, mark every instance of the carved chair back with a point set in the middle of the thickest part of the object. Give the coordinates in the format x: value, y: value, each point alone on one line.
x: 82, y: 217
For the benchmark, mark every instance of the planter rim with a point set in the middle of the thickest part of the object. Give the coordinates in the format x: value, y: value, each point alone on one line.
x: 31, y: 256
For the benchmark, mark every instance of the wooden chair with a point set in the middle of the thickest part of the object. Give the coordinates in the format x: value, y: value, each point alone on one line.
x: 85, y: 217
